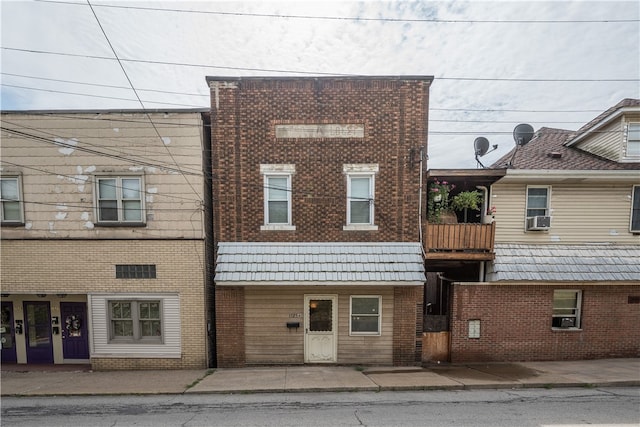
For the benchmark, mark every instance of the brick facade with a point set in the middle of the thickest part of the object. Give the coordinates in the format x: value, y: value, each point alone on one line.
x: 516, y: 323
x: 393, y: 112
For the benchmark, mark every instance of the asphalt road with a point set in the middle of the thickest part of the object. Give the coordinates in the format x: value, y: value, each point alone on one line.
x: 516, y: 407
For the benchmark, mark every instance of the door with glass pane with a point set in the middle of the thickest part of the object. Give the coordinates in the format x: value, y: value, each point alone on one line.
x: 320, y: 326
x: 37, y: 317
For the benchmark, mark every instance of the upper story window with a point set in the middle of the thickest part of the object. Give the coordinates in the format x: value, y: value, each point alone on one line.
x: 11, y: 200
x: 119, y: 200
x: 360, y: 196
x: 635, y: 210
x: 538, y: 201
x: 633, y: 140
x: 277, y: 197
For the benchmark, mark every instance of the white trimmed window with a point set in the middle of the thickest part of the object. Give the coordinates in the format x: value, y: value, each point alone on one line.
x: 277, y: 196
x: 538, y: 201
x: 119, y: 200
x: 635, y: 210
x: 566, y: 309
x: 360, y: 196
x: 11, y: 200
x: 633, y: 140
x: 135, y: 321
x: 365, y: 315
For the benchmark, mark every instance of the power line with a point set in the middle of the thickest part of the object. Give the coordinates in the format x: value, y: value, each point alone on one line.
x: 359, y: 19
x: 314, y: 73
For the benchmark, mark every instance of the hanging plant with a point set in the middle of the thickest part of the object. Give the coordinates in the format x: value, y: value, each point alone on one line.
x: 466, y: 200
x: 438, y: 199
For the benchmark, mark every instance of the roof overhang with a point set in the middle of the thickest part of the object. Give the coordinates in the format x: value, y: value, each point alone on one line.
x: 532, y: 176
x: 605, y: 121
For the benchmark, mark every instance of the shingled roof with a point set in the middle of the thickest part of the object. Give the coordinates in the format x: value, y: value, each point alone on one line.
x: 550, y: 149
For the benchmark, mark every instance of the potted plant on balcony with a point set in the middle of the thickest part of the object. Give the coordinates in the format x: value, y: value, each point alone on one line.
x: 465, y: 201
x: 438, y: 203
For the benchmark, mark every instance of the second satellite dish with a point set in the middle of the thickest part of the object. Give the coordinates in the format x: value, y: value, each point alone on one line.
x: 481, y: 145
x: 522, y: 133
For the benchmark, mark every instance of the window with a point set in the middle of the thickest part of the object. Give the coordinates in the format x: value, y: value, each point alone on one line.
x: 635, y: 210
x: 135, y: 321
x: 277, y: 196
x: 119, y: 199
x: 633, y: 140
x: 538, y: 201
x: 135, y: 271
x: 566, y: 309
x: 360, y: 196
x: 11, y: 202
x: 365, y: 315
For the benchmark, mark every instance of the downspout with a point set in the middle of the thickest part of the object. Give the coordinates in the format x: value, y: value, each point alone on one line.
x: 485, y: 206
x: 420, y: 205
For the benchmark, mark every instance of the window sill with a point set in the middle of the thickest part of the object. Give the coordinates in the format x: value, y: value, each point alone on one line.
x: 360, y: 227
x: 566, y: 329
x: 277, y: 227
x: 365, y: 334
x: 12, y: 224
x: 120, y: 224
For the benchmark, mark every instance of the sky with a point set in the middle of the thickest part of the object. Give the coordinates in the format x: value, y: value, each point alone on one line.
x: 495, y: 64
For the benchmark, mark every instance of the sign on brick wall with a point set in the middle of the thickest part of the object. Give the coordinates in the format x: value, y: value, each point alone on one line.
x: 320, y: 131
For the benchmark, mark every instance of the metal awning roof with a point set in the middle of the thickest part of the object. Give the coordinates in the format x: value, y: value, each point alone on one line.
x: 585, y: 263
x: 335, y: 263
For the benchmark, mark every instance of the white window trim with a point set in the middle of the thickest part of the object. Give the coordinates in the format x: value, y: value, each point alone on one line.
x: 368, y: 170
x: 120, y: 220
x: 526, y: 207
x: 627, y: 156
x: 356, y: 333
x: 20, y: 201
x: 278, y: 170
x: 135, y: 317
x: 578, y: 314
x: 635, y: 192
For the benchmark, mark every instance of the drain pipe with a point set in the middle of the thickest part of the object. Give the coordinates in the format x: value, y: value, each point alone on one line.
x: 485, y: 202
x: 420, y: 204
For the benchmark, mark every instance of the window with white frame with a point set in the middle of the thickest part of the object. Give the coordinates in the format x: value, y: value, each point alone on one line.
x: 633, y: 140
x: 119, y: 200
x: 360, y: 196
x: 365, y: 315
x: 277, y: 197
x: 538, y: 201
x: 635, y: 210
x: 566, y: 309
x: 11, y: 200
x: 135, y: 321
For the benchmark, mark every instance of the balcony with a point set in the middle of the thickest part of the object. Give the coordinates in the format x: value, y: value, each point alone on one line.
x: 459, y: 242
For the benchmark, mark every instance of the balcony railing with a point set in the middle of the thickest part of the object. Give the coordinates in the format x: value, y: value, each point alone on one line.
x: 459, y: 241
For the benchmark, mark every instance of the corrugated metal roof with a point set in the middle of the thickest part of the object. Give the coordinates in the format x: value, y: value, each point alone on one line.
x: 589, y: 263
x: 289, y: 263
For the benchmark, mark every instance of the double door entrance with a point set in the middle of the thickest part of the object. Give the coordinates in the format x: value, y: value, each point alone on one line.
x: 39, y: 328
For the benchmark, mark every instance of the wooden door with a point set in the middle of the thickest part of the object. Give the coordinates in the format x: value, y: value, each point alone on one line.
x: 320, y: 341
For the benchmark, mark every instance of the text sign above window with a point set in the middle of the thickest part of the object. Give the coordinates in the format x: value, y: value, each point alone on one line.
x: 320, y: 131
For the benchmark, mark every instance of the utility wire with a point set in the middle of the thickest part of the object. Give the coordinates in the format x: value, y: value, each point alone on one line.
x: 139, y: 100
x: 313, y: 73
x: 356, y: 18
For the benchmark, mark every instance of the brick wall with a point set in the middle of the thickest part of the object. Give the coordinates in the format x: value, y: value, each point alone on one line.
x: 516, y: 324
x: 230, y: 326
x: 244, y: 115
x: 78, y: 267
x: 405, y: 301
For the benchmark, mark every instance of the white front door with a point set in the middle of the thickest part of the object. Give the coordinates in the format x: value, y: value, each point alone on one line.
x: 320, y: 328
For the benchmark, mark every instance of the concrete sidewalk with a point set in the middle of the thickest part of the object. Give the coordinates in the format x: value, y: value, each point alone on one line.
x: 23, y: 380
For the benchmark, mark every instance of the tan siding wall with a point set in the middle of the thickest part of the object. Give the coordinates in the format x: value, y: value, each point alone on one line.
x: 60, y: 180
x: 269, y: 341
x: 79, y: 267
x: 606, y: 142
x: 579, y: 214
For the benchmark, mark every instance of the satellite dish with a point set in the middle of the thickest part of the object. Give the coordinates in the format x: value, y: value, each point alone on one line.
x: 481, y: 145
x: 522, y: 133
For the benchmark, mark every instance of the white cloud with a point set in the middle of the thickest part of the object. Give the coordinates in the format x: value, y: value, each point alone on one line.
x: 252, y: 45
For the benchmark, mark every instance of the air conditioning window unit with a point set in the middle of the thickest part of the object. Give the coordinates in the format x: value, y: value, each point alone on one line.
x: 568, y: 322
x: 537, y: 223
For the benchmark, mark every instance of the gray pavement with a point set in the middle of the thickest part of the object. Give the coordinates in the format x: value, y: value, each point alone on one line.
x: 23, y: 380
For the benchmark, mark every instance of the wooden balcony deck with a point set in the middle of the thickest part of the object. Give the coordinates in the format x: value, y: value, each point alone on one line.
x: 459, y: 241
